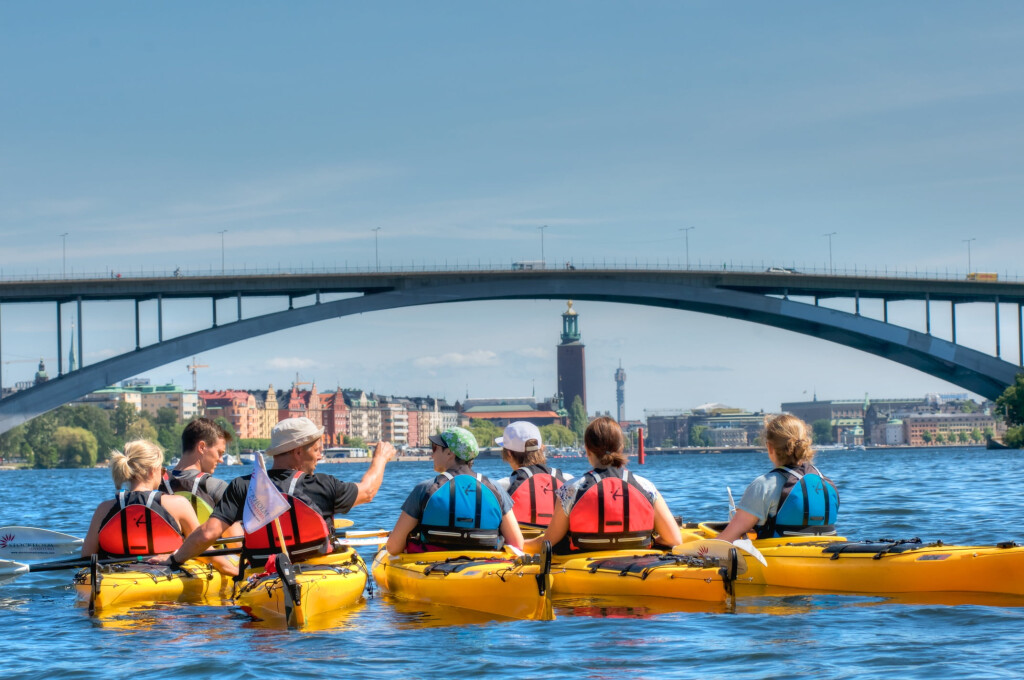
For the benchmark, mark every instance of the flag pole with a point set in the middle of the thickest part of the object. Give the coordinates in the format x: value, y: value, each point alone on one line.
x: 277, y: 522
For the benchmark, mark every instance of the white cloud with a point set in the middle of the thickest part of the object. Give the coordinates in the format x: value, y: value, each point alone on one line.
x: 291, y: 363
x: 474, y: 359
x: 534, y: 352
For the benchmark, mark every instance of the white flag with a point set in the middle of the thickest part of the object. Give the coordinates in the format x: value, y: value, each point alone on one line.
x: 263, y: 502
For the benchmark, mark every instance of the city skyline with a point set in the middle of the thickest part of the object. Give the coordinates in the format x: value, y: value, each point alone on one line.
x: 806, y: 136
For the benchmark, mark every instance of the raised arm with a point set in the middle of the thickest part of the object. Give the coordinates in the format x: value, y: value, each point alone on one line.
x: 371, y: 481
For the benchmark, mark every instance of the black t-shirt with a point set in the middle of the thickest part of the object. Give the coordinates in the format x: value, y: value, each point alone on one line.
x: 329, y: 494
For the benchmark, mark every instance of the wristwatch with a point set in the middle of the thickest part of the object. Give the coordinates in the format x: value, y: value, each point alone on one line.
x: 173, y: 560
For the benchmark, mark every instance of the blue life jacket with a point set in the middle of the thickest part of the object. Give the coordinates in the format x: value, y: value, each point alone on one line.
x: 807, y: 507
x: 462, y: 511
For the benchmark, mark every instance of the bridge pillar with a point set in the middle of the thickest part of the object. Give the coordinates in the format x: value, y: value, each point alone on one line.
x: 857, y: 302
x: 80, y: 332
x: 952, y: 319
x: 138, y: 346
x: 927, y: 313
x: 60, y: 346
x: 239, y: 305
x: 214, y: 301
x: 159, y: 318
x: 1020, y: 335
x: 997, y: 327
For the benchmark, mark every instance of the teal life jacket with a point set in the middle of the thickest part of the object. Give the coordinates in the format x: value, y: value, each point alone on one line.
x: 462, y: 511
x: 807, y: 507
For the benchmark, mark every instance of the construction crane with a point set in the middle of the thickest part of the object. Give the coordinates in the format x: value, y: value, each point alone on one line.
x: 193, y: 368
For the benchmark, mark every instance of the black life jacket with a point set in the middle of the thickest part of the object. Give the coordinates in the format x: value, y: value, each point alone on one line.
x: 305, y: 529
x: 137, y: 524
x: 611, y: 512
x: 532, y: 489
x: 462, y: 511
x: 807, y: 507
x: 193, y: 486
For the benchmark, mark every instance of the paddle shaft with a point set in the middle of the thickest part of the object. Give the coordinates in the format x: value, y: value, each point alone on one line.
x: 85, y: 562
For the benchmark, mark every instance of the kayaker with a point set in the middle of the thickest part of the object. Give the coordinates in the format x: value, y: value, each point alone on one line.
x: 532, y: 484
x: 794, y: 499
x: 142, y: 520
x: 296, y: 445
x: 203, y: 443
x: 609, y: 508
x: 458, y: 508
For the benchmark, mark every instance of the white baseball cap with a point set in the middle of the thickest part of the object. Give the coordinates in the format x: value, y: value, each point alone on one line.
x: 516, y: 436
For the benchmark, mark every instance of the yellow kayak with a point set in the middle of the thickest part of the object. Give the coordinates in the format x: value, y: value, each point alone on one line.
x: 298, y: 592
x: 646, y: 573
x: 140, y: 583
x: 494, y: 582
x: 833, y: 563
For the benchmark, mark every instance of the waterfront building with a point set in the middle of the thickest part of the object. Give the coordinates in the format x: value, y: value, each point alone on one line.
x: 394, y: 422
x: 949, y: 425
x: 109, y: 397
x: 894, y: 433
x: 185, y: 402
x: 238, y: 407
x: 364, y: 417
x: 334, y: 417
x: 572, y: 374
x: 290, y: 404
x: 501, y: 412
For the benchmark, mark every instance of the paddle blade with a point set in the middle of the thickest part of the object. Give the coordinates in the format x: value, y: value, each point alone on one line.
x: 29, y: 543
x: 342, y: 523
x: 711, y: 547
x: 10, y: 569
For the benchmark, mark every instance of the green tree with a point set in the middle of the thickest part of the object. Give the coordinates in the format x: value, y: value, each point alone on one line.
x: 822, y: 431
x: 1010, y: 403
x: 11, y: 442
x: 254, y: 444
x: 940, y: 438
x: 988, y: 432
x: 170, y: 439
x: 927, y: 437
x: 141, y: 429
x: 76, y: 447
x: 485, y: 432
x: 1014, y: 437
x: 968, y: 406
x: 962, y: 437
x: 578, y: 417
x: 39, y: 433
x: 124, y: 415
x: 699, y: 436
x: 975, y: 435
x: 357, y: 442
x: 166, y: 417
x: 557, y: 435
x: 95, y: 420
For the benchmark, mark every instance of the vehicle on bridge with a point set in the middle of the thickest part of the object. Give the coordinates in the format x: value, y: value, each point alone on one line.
x: 525, y: 265
x: 781, y: 270
x: 983, y: 276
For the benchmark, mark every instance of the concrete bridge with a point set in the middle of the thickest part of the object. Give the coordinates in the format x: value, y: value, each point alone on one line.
x: 781, y: 299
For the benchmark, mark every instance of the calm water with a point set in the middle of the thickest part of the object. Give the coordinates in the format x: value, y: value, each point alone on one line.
x: 957, y: 495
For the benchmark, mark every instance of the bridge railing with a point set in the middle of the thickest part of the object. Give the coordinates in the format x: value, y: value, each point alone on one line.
x: 597, y: 264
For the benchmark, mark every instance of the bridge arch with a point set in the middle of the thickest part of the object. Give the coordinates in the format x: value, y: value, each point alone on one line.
x: 968, y: 368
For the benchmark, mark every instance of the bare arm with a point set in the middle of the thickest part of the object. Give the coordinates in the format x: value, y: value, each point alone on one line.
x: 665, y: 524
x: 738, y: 526
x: 510, y: 530
x: 197, y: 541
x: 554, y: 533
x: 405, y: 525
x: 91, y: 545
x: 371, y: 481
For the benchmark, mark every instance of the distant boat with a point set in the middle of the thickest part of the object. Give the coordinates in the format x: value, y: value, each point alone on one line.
x: 230, y: 459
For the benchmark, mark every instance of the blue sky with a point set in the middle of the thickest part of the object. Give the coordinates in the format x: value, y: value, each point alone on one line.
x: 142, y: 131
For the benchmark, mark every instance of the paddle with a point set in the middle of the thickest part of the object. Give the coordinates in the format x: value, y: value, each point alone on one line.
x: 713, y: 547
x: 12, y: 568
x: 29, y: 543
x: 732, y: 504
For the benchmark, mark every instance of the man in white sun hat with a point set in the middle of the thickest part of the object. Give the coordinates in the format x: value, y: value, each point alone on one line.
x: 532, y: 484
x: 297, y: 446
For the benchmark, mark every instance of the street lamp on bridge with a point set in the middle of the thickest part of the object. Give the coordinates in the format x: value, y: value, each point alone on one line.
x: 829, y: 236
x: 376, y: 252
x: 686, y: 232
x: 542, y: 241
x: 222, y: 232
x: 63, y: 255
x: 968, y: 242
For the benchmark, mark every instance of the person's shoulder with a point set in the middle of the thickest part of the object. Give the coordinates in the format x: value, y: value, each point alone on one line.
x: 645, y: 483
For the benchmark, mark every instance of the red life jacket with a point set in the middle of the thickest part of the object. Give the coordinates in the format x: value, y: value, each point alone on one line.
x: 305, y: 531
x: 611, y: 512
x: 138, y: 525
x: 532, y: 489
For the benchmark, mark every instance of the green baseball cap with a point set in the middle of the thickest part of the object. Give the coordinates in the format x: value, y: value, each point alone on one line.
x: 462, y: 442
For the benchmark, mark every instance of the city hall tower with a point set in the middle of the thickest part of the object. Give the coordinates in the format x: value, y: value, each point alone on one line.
x: 572, y: 378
